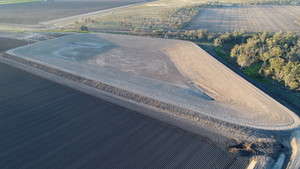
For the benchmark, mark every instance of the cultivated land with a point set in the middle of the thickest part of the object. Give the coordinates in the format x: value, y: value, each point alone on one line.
x: 46, y: 125
x: 34, y: 12
x: 153, y: 81
x: 172, y: 81
x: 251, y: 18
x: 9, y: 43
x: 89, y: 57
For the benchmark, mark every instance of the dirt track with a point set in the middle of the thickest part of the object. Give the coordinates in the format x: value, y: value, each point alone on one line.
x: 252, y: 19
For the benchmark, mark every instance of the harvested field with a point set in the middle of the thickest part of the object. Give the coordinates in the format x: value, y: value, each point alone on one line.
x: 251, y: 19
x: 46, y: 125
x: 165, y: 86
x: 35, y: 12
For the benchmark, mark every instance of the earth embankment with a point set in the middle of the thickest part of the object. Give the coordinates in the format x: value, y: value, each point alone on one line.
x: 175, y: 65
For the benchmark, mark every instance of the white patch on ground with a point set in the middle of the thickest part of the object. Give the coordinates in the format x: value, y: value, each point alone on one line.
x: 74, y: 51
x: 252, y: 164
x: 295, y: 156
x: 144, y: 63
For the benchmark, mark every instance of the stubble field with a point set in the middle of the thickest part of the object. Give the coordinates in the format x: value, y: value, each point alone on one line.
x: 35, y: 12
x: 251, y: 18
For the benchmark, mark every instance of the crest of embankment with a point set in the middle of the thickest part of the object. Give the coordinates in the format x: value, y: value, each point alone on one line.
x: 227, y: 87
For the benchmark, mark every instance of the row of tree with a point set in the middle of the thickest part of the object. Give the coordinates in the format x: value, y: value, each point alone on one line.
x: 279, y: 55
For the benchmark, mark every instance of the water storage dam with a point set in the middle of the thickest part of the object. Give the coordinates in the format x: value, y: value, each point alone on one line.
x: 173, y: 81
x: 47, y: 125
x: 47, y: 11
x: 155, y: 73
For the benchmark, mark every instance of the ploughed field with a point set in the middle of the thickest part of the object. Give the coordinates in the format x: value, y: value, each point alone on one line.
x: 8, y: 43
x: 34, y: 12
x: 251, y: 18
x: 46, y: 125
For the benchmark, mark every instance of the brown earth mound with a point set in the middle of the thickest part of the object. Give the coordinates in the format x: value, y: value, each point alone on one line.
x: 165, y: 70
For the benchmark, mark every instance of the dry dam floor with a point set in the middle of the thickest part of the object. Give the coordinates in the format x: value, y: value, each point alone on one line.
x: 162, y: 70
x: 47, y: 125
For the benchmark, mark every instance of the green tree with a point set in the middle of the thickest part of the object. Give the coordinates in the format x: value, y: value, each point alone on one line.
x: 291, y: 71
x: 276, y: 67
x: 84, y: 28
x: 202, y: 33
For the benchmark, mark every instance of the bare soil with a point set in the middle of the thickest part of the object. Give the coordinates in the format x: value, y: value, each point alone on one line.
x: 47, y: 125
x: 236, y: 107
x: 9, y: 43
x: 250, y: 18
x: 236, y: 100
x: 35, y: 12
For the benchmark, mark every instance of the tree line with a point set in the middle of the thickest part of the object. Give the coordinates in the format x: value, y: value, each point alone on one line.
x: 278, y: 53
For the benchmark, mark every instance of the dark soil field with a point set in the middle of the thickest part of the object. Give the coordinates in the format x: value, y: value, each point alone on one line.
x: 46, y: 125
x: 35, y: 12
x: 8, y: 43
